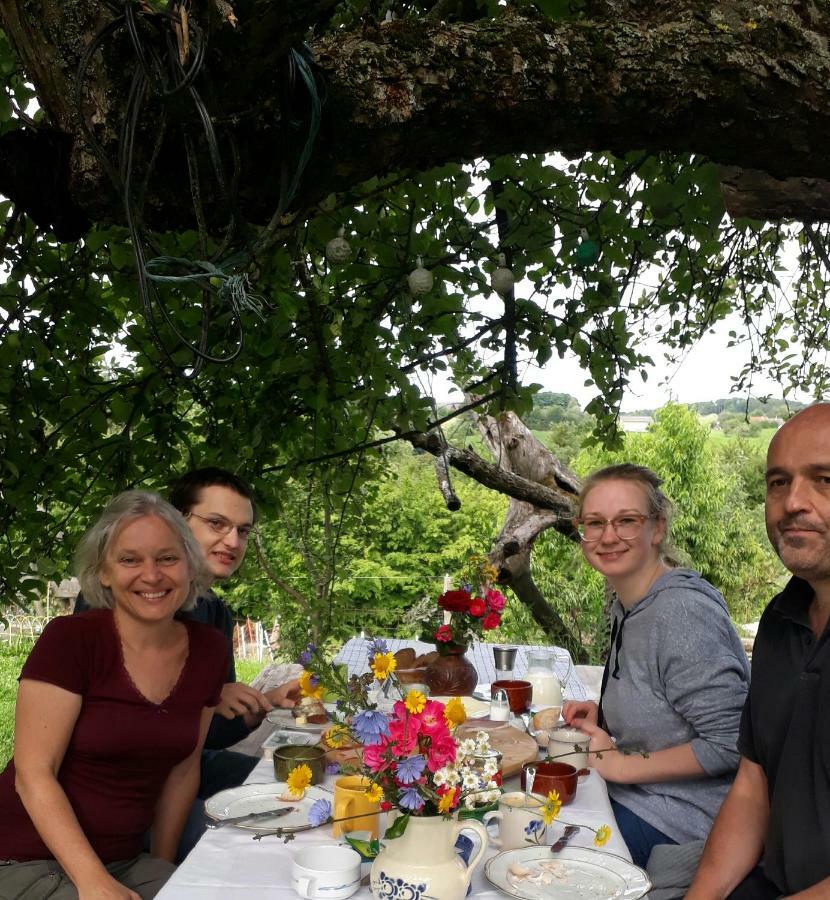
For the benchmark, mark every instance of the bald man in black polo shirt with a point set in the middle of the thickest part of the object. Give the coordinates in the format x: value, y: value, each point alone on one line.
x: 772, y: 836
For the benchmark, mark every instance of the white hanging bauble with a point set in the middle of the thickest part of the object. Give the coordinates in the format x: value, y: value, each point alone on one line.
x: 338, y: 250
x: 420, y: 279
x: 502, y: 280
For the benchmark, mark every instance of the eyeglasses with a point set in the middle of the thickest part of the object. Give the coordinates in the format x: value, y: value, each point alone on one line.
x: 626, y: 527
x: 221, y: 525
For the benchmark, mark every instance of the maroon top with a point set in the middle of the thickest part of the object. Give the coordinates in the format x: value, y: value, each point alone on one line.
x: 123, y: 746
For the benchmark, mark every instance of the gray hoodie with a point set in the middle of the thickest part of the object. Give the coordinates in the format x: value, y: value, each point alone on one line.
x: 677, y: 674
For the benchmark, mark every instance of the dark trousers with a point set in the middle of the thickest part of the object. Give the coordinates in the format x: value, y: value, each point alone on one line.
x: 756, y: 886
x: 220, y: 770
x: 639, y: 836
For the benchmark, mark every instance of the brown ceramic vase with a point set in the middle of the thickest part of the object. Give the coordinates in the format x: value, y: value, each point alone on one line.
x: 452, y: 673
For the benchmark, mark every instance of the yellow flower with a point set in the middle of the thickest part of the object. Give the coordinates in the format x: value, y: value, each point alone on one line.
x: 446, y: 801
x: 299, y: 778
x: 602, y: 836
x: 375, y: 793
x: 415, y: 701
x: 336, y: 736
x: 551, y: 807
x: 455, y: 712
x: 307, y: 689
x: 383, y: 665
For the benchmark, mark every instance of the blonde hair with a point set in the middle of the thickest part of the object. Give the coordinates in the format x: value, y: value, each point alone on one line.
x: 657, y: 503
x: 122, y: 509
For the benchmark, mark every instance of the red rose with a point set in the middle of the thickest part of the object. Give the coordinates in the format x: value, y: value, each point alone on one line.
x: 455, y: 601
x: 495, y: 600
x: 477, y: 608
x: 385, y: 805
x: 491, y: 620
x: 444, y: 634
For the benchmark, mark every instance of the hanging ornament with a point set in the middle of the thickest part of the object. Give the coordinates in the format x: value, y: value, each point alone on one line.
x: 338, y: 250
x: 587, y: 253
x: 420, y: 279
x: 502, y: 280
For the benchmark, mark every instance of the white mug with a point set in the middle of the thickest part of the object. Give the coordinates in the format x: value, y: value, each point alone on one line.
x: 561, y: 746
x: 515, y: 813
x: 330, y: 872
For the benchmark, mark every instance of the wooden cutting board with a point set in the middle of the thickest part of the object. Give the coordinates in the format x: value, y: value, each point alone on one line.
x: 516, y: 747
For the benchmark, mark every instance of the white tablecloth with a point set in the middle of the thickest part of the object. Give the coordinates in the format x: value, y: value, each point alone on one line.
x: 354, y: 655
x: 227, y: 864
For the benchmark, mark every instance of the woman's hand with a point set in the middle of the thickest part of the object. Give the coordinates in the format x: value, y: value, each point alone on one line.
x: 243, y: 700
x: 610, y: 763
x: 575, y: 712
x: 105, y: 888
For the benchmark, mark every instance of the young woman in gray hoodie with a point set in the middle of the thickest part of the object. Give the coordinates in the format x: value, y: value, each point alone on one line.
x: 676, y: 676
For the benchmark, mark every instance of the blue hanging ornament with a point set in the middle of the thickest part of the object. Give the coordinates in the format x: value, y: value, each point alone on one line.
x: 587, y: 253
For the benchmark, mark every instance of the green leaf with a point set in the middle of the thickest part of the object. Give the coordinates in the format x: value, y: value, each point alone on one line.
x: 398, y: 827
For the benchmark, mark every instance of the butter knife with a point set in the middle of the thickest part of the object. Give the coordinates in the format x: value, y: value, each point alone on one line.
x: 251, y: 817
x: 567, y: 834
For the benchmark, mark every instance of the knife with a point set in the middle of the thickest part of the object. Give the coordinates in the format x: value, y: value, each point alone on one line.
x: 251, y: 817
x: 567, y: 834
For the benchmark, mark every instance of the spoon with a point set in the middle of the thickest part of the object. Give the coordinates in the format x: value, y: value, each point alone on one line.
x: 530, y: 777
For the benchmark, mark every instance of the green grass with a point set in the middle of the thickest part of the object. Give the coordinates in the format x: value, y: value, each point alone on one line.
x: 248, y: 669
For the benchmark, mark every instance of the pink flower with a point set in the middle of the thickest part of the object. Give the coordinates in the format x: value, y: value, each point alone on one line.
x: 478, y: 607
x: 491, y: 620
x: 495, y: 600
x: 444, y: 634
x: 375, y: 756
x: 441, y: 752
x: 433, y: 722
x: 403, y: 735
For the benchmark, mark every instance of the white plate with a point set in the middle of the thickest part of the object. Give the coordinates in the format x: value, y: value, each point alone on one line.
x: 284, y: 719
x: 476, y: 709
x: 584, y: 875
x: 253, y: 798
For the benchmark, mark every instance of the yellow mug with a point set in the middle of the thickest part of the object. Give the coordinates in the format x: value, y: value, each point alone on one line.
x: 350, y: 801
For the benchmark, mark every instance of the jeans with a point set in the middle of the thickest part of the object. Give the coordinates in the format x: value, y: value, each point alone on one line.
x: 639, y: 836
x: 220, y: 770
x: 756, y: 886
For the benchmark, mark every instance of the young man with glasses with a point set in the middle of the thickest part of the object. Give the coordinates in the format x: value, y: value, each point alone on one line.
x: 221, y: 511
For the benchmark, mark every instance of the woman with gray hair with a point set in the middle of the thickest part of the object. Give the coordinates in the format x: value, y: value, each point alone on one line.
x: 111, y: 716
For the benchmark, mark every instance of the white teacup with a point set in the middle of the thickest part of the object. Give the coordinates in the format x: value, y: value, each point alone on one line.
x: 561, y: 747
x: 330, y: 872
x: 516, y: 811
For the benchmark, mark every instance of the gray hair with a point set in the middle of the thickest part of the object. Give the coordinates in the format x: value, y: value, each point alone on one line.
x: 120, y: 511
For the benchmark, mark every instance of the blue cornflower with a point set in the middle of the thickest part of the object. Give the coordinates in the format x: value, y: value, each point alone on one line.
x: 314, y: 680
x: 370, y: 725
x: 319, y: 813
x: 332, y: 769
x: 410, y: 769
x: 305, y: 656
x: 376, y: 645
x: 411, y: 799
x: 533, y: 826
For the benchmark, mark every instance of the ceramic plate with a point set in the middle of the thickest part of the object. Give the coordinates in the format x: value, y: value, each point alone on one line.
x: 575, y: 873
x: 254, y: 798
x: 476, y: 709
x: 283, y: 719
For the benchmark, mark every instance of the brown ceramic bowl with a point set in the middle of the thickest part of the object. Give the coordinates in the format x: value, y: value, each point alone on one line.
x: 553, y: 776
x: 412, y: 676
x: 519, y: 694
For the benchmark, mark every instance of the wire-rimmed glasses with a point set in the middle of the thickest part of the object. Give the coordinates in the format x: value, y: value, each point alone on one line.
x: 626, y: 527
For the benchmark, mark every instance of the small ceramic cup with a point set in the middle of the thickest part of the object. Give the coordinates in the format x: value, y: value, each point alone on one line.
x: 288, y: 757
x: 515, y: 813
x: 519, y: 694
x: 568, y: 745
x: 553, y: 776
x: 327, y: 871
x: 352, y: 804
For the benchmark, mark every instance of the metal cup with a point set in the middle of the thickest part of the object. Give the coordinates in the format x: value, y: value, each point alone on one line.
x: 505, y: 660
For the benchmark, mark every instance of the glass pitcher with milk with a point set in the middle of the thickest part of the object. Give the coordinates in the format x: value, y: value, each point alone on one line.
x: 547, y: 689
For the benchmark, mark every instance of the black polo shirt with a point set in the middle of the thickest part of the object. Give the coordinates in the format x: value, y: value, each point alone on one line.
x: 785, y: 728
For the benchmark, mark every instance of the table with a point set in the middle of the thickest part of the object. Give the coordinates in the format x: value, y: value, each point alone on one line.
x: 354, y: 655
x: 227, y: 864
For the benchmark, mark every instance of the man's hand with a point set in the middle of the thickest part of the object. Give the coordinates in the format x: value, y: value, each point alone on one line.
x: 286, y: 695
x: 243, y: 700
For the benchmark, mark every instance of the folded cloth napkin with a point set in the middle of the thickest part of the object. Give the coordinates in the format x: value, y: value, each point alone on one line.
x: 671, y: 868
